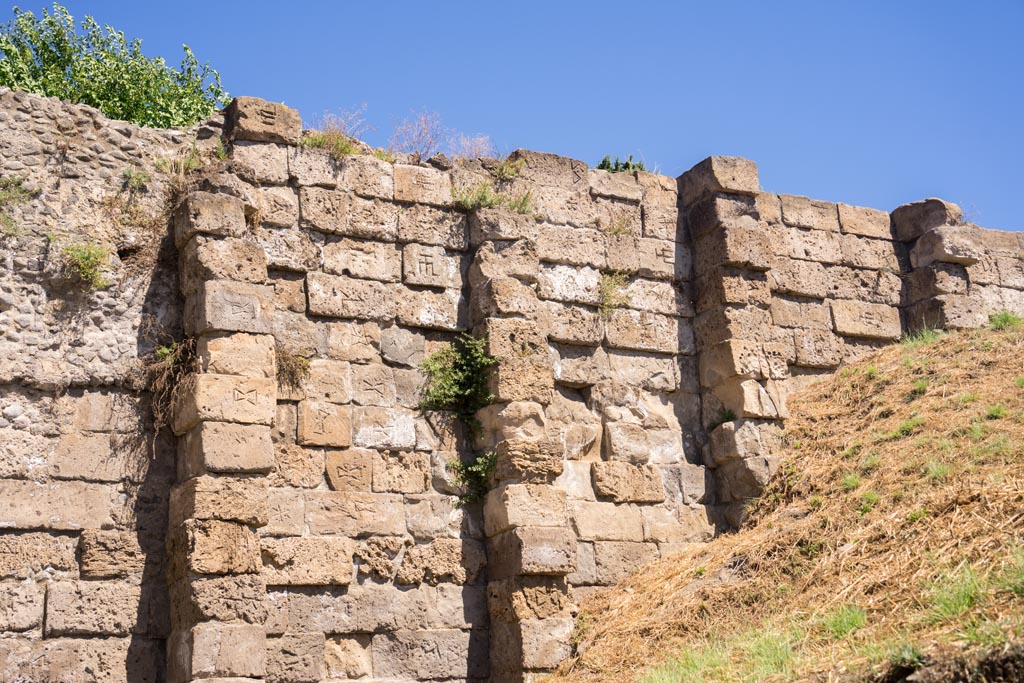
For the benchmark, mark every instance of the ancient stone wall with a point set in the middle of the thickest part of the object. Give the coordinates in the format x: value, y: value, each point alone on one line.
x: 298, y: 529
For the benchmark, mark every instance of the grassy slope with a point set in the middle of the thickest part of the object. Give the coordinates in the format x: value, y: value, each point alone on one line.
x: 893, y: 534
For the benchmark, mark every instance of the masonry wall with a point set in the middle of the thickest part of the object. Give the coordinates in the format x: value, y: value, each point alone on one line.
x: 648, y: 331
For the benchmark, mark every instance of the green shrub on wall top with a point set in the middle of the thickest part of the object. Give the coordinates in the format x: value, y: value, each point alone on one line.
x: 103, y: 69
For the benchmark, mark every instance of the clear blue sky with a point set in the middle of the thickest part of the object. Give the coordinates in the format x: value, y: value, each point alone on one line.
x: 874, y: 103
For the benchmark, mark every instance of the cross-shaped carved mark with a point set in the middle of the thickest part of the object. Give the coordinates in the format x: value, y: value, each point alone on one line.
x: 425, y: 265
x: 246, y: 395
x: 240, y: 309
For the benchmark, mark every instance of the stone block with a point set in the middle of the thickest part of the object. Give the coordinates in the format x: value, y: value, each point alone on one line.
x: 623, y: 482
x: 89, y: 456
x: 344, y: 297
x: 383, y: 428
x: 443, y: 560
x: 744, y: 439
x: 734, y: 175
x: 217, y: 650
x: 723, y: 286
x: 422, y: 185
x: 218, y: 598
x: 401, y: 472
x: 21, y: 605
x: 809, y: 315
x: 229, y: 258
x: 549, y: 169
x: 307, y: 561
x: 752, y: 398
x: 350, y: 469
x: 290, y: 249
x: 572, y: 246
x: 871, y: 286
x: 65, y: 505
x: 354, y: 514
x: 368, y: 176
x: 769, y: 207
x: 522, y: 379
x: 643, y: 331
x: 860, y: 220
x: 106, y: 554
x: 518, y: 505
x: 434, y: 310
x: 597, y: 521
x: 507, y: 338
x: 224, y: 447
x: 250, y: 118
x: 799, y: 278
x: 364, y: 259
x: 213, y: 547
x: 92, y: 608
x: 348, y: 657
x: 666, y: 298
x: 572, y: 324
x: 627, y: 442
x: 32, y: 555
x: 528, y: 461
x: 206, y: 213
x: 617, y: 560
x: 912, y: 220
x: 710, y: 214
x: 519, y: 420
x: 353, y: 341
x: 666, y: 525
x: 227, y: 306
x: 260, y: 163
x: 810, y: 245
x: 297, y: 467
x: 802, y: 212
x: 295, y: 658
x: 313, y: 166
x: 430, y: 266
x: 429, y: 654
x: 249, y: 355
x: 514, y: 259
x: 528, y: 597
x: 323, y: 209
x: 740, y: 243
x: 859, y: 319
x: 948, y: 244
x: 328, y: 380
x: 108, y: 660
x: 500, y: 223
x: 373, y: 384
x: 817, y: 349
x: 286, y: 513
x: 744, y: 479
x: 614, y: 185
x: 740, y: 358
x: 225, y: 398
x: 232, y: 499
x: 429, y: 225
x: 502, y: 296
x: 531, y: 551
x: 324, y: 424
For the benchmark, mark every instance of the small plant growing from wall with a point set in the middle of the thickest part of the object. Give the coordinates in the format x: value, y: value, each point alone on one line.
x: 457, y: 378
x: 166, y: 371
x: 84, y: 262
x: 610, y: 294
x: 508, y: 169
x: 292, y: 369
x: 12, y: 192
x: 479, y: 196
x: 618, y: 166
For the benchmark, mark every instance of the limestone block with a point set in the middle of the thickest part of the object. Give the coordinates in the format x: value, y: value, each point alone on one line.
x: 348, y: 657
x: 740, y: 243
x: 233, y: 499
x: 817, y: 349
x: 572, y: 324
x: 295, y: 658
x: 549, y: 169
x: 429, y: 225
x: 401, y: 346
x: 626, y: 442
x: 859, y: 319
x: 429, y: 654
x: 297, y: 467
x: 344, y: 297
x: 250, y: 118
x: 322, y: 209
x: 710, y: 214
x: 211, y: 214
x: 623, y: 482
x: 739, y: 358
x: 569, y: 284
x: 871, y: 286
x: 218, y: 598
x: 802, y: 212
x: 517, y: 505
x: 89, y: 456
x: 449, y: 560
x: 62, y: 505
x: 217, y: 650
x: 278, y: 207
x: 224, y: 447
x: 364, y: 259
x: 531, y: 551
x: 507, y: 338
x: 431, y: 516
x: 734, y: 175
x: 307, y: 561
x: 313, y: 166
x: 809, y: 245
x: 107, y: 660
x: 227, y: 306
x: 510, y: 259
x: 355, y: 514
x: 353, y: 341
x: 368, y: 176
x: 522, y: 379
x: 642, y: 331
x: 685, y: 482
x: 213, y: 547
x: 809, y: 315
x: 661, y: 259
x: 401, y: 472
x: 724, y: 286
x: 617, y: 560
x: 228, y: 258
x: 546, y: 643
x: 751, y: 398
x: 580, y: 367
x: 422, y: 185
x: 225, y: 398
x: 21, y: 605
x: 744, y: 439
x: 31, y: 555
x: 377, y: 427
x: 92, y: 608
x: 528, y: 597
x: 743, y: 479
x: 351, y: 469
x: 260, y: 163
x: 289, y: 249
x: 615, y: 185
x: 249, y: 355
x: 519, y: 420
x: 373, y: 384
x: 528, y: 461
x: 329, y: 380
x: 324, y: 424
x: 114, y: 554
x: 431, y: 266
x: 575, y: 480
x: 949, y: 312
x: 436, y: 310
x: 912, y: 220
x: 571, y: 246
x: 286, y: 512
x: 665, y: 525
x: 500, y: 223
x: 860, y: 220
x: 948, y: 244
x: 597, y: 521
x: 661, y: 297
x: 769, y: 207
x: 938, y: 278
x: 502, y: 296
x: 800, y: 278
x: 662, y: 222
x: 582, y: 442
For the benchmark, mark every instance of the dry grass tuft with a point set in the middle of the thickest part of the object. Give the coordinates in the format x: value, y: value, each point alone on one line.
x: 292, y: 369
x: 893, y: 535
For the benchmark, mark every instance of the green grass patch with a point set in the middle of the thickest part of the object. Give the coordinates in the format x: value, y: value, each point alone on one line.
x: 84, y: 262
x: 904, y: 429
x: 936, y: 470
x: 996, y: 412
x: 966, y: 399
x: 479, y: 196
x: 1004, y: 320
x: 868, y: 501
x: 921, y: 338
x: 954, y: 593
x: 850, y: 482
x: 337, y: 144
x: 920, y: 388
x: 844, y: 621
x: 917, y: 515
x: 610, y: 294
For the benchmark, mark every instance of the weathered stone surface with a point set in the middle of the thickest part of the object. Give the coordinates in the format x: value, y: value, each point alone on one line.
x: 522, y: 379
x: 348, y: 657
x: 446, y: 560
x: 912, y: 220
x: 225, y: 398
x: 422, y: 185
x: 518, y: 505
x: 219, y: 598
x: 250, y: 118
x: 432, y: 654
x: 948, y: 244
x: 734, y: 175
x: 860, y: 220
x: 444, y: 310
x: 354, y: 514
x: 817, y: 349
x: 214, y: 547
x: 306, y: 561
x: 502, y: 296
x: 324, y: 424
x: 31, y: 555
x: 114, y: 554
x: 212, y: 214
x: 743, y: 439
x: 368, y: 176
x: 531, y: 551
x: 627, y: 442
x: 249, y: 355
x: 228, y: 306
x: 528, y: 460
x: 627, y: 483
x: 229, y: 258
x: 313, y: 166
x: 239, y: 499
x: 344, y: 297
x: 216, y: 650
x: 82, y: 608
x: 107, y: 660
x: 642, y: 331
x: 65, y: 505
x: 328, y: 380
x: 500, y: 223
x: 21, y: 605
x: 226, y: 447
x: 508, y: 259
x: 295, y: 658
x: 376, y: 427
x: 858, y: 319
x: 430, y: 266
x: 350, y: 469
x: 802, y: 212
x: 401, y: 472
x: 364, y: 259
x: 289, y: 249
x: 615, y: 185
x: 596, y: 521
x: 569, y: 284
x: 616, y: 560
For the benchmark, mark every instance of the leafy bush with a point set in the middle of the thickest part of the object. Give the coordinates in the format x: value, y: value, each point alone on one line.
x: 474, y: 476
x: 618, y: 166
x: 457, y: 378
x: 84, y: 262
x: 101, y: 68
